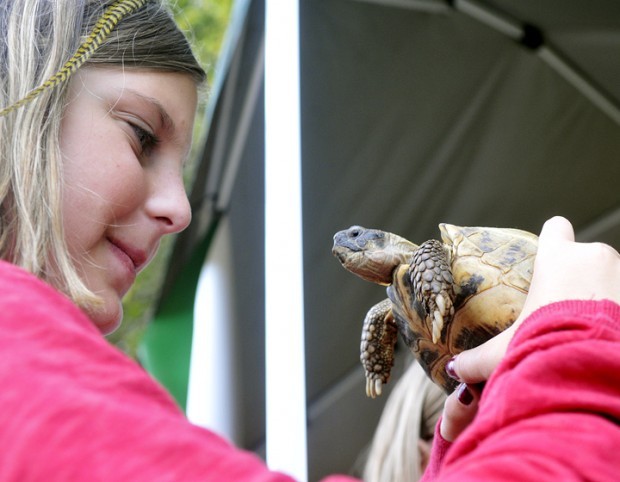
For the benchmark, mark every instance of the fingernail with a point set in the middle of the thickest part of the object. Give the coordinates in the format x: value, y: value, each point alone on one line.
x: 450, y: 370
x: 464, y: 395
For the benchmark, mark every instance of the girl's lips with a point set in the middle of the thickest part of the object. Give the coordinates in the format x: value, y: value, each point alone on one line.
x: 125, y: 261
x: 136, y: 257
x: 125, y: 281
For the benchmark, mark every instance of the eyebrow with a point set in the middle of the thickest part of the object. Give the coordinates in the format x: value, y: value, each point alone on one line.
x: 166, y: 121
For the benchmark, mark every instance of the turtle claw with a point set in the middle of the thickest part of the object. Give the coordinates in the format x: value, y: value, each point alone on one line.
x: 373, y: 387
x: 437, y: 326
x: 441, y: 304
x: 438, y: 317
x: 378, y: 385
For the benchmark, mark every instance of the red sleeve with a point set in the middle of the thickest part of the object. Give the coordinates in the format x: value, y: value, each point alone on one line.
x: 551, y: 410
x: 438, y: 453
x: 75, y: 408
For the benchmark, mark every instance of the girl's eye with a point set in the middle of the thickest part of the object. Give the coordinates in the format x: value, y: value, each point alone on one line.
x: 146, y: 139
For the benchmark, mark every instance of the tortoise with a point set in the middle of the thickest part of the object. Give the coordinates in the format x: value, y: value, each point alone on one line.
x: 443, y: 296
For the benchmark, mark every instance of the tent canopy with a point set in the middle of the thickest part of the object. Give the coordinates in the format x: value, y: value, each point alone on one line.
x: 496, y: 113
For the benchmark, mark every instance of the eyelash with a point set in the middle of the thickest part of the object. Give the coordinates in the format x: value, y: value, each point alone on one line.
x: 148, y: 141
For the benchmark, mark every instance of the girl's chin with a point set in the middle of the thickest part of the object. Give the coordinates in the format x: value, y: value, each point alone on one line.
x: 108, y: 317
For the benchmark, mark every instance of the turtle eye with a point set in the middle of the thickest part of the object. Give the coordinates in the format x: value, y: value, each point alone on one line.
x: 355, y: 231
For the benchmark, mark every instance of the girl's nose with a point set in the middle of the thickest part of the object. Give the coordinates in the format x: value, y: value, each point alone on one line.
x: 169, y: 204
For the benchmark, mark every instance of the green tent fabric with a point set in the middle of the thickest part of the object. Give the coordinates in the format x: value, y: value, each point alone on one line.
x: 166, y: 346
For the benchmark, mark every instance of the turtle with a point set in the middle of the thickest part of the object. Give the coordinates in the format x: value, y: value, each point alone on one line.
x: 443, y: 296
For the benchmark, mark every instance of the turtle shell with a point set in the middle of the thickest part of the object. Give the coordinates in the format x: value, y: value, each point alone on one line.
x: 491, y: 270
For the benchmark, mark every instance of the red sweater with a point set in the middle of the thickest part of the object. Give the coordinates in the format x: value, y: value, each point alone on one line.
x: 551, y: 410
x: 74, y: 408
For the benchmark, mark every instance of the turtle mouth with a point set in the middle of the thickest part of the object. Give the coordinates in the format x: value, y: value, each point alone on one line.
x: 340, y: 252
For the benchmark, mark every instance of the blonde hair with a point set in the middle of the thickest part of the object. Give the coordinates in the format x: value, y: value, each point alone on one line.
x: 409, y: 416
x: 42, y: 42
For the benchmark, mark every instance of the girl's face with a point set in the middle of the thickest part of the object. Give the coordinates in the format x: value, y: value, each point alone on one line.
x: 124, y: 137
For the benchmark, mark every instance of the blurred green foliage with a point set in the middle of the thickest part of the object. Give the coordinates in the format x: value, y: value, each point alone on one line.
x: 205, y: 23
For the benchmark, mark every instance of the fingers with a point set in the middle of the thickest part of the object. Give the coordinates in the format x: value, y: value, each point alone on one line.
x: 565, y: 269
x: 459, y: 410
x: 477, y: 364
x: 555, y: 229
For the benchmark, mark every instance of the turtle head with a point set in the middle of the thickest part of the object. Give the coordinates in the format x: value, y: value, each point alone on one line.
x: 371, y: 254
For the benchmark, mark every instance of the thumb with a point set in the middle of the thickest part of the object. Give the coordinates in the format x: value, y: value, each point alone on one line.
x: 477, y: 364
x: 555, y: 229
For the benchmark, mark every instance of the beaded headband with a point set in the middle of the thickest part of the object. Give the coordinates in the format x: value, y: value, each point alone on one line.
x: 102, y: 29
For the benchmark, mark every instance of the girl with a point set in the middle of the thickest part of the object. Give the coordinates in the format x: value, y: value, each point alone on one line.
x: 97, y: 103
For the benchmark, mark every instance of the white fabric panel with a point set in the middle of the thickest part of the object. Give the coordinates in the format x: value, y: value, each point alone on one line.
x: 212, y: 386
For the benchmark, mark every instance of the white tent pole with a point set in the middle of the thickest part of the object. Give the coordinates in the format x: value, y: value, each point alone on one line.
x: 493, y: 19
x: 556, y: 61
x: 434, y: 6
x: 284, y: 310
x: 547, y: 53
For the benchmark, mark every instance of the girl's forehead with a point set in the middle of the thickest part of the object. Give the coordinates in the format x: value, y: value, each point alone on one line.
x: 168, y: 93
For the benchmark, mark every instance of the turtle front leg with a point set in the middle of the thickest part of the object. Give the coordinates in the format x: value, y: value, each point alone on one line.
x: 379, y: 335
x: 432, y: 282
